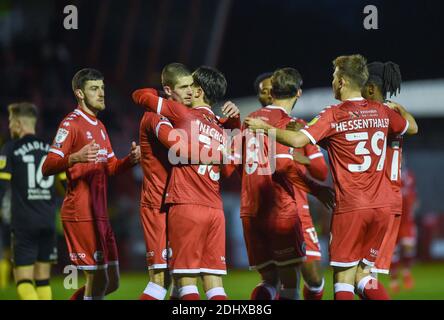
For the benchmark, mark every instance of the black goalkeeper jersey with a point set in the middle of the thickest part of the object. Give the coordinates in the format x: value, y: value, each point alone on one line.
x: 32, y: 200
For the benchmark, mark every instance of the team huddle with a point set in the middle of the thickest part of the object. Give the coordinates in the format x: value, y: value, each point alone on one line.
x: 185, y: 149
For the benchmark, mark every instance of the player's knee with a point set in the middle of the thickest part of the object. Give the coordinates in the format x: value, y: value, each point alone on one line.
x: 270, y: 277
x: 313, y: 279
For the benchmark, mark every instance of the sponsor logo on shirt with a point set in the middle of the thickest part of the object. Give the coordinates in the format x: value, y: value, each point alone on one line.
x: 88, y: 135
x: 102, y: 155
x: 77, y: 255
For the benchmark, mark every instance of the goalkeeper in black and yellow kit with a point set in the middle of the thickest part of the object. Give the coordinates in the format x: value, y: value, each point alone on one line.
x: 33, y: 235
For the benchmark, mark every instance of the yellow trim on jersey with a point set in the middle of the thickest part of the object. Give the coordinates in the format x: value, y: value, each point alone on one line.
x: 62, y: 176
x: 5, y: 176
x: 2, y: 162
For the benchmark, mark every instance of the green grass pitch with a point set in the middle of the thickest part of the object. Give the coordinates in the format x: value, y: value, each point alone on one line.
x: 429, y: 285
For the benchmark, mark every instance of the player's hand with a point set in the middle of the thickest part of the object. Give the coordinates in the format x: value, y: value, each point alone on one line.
x: 230, y: 110
x: 257, y: 124
x: 135, y: 155
x: 396, y: 106
x: 294, y: 126
x: 87, y: 154
x: 300, y: 158
x: 327, y: 196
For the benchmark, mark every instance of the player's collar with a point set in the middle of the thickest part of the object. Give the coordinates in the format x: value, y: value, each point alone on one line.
x: 276, y: 107
x: 86, y: 117
x: 206, y: 108
x: 355, y: 99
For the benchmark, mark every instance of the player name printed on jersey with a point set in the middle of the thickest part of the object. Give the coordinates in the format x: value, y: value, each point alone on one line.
x: 38, y: 186
x: 361, y: 124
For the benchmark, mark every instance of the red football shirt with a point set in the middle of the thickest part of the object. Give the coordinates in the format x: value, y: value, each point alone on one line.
x: 153, y: 136
x: 355, y: 135
x: 318, y: 168
x: 86, y: 194
x: 269, y: 172
x: 190, y: 183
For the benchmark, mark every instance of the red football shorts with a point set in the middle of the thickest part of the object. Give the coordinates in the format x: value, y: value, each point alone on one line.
x: 273, y: 242
x: 91, y: 244
x: 384, y: 259
x: 358, y: 235
x: 154, y: 231
x: 313, y: 249
x: 197, y: 239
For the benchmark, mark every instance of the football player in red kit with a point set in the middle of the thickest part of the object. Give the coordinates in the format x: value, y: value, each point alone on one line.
x: 83, y: 149
x: 269, y: 210
x: 385, y: 79
x: 196, y: 225
x: 406, y: 239
x: 310, y: 159
x: 354, y: 132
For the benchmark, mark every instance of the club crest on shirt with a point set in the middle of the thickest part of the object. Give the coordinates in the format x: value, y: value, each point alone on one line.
x: 164, y: 254
x: 61, y: 135
x: 88, y: 135
x: 103, y: 134
x: 2, y: 162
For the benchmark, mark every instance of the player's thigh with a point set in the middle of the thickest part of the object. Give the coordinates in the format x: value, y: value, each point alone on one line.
x: 42, y: 270
x: 154, y: 232
x: 347, y: 234
x: 23, y: 273
x: 213, y: 258
x: 108, y: 238
x: 85, y: 245
x: 379, y: 225
x: 312, y: 272
x: 187, y: 233
x: 286, y: 240
x: 47, y: 243
x: 24, y: 246
x: 257, y: 242
x: 387, y: 249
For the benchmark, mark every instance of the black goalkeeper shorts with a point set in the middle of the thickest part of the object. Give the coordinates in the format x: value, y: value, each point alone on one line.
x: 33, y: 245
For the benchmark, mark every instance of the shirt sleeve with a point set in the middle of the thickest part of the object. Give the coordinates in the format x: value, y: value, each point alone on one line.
x: 116, y: 166
x: 397, y: 124
x: 322, y: 126
x: 173, y: 110
x: 58, y: 156
x: 318, y: 167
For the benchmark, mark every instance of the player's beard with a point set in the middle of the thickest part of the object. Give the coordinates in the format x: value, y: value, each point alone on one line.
x: 94, y: 106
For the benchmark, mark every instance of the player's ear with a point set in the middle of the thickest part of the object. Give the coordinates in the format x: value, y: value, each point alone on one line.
x: 299, y: 94
x: 198, y: 92
x: 371, y: 89
x: 79, y: 94
x: 168, y: 90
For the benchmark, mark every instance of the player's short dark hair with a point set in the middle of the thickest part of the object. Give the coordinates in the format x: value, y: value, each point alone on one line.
x: 259, y: 79
x: 386, y: 76
x: 285, y: 83
x: 23, y: 109
x: 212, y: 82
x: 84, y: 75
x: 354, y: 68
x: 172, y: 72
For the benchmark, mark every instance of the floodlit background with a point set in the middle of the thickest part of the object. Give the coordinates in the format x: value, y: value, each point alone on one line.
x: 130, y: 41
